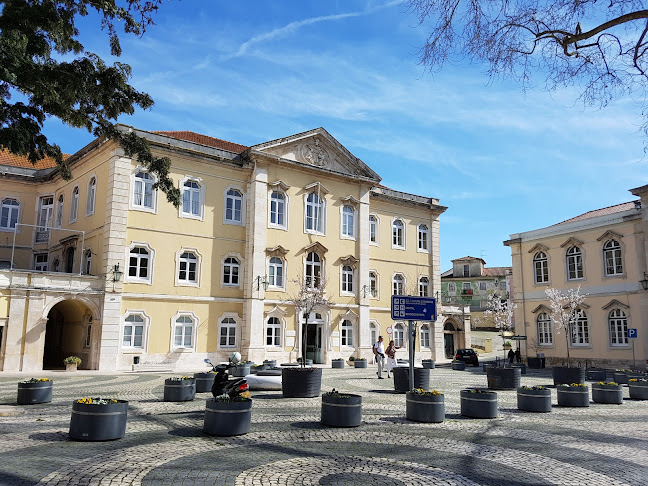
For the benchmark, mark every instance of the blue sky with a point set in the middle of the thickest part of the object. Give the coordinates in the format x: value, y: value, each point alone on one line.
x: 504, y: 161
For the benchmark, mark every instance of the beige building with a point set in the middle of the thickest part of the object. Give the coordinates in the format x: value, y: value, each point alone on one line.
x: 604, y: 253
x: 103, y: 267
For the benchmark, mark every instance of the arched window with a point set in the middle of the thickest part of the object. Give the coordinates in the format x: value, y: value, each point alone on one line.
x: 373, y: 229
x: 618, y: 322
x: 540, y: 268
x: 92, y: 195
x: 574, y: 263
x: 347, y: 279
x: 277, y: 209
x: 227, y: 333
x: 231, y: 271
x: 233, y: 206
x: 425, y: 336
x: 545, y: 333
x: 314, y: 215
x: 612, y: 258
x: 580, y: 330
x: 59, y: 211
x: 191, y: 199
x: 424, y: 286
x: 423, y: 238
x: 346, y: 333
x: 313, y: 271
x: 398, y: 284
x: 273, y: 332
x: 373, y: 284
x: 88, y: 261
x: 398, y: 234
x: 399, y: 335
x: 348, y: 222
x: 133, y: 336
x: 143, y: 190
x: 373, y: 329
x: 183, y: 332
x: 188, y: 268
x: 74, y: 204
x: 9, y: 213
x: 139, y: 263
x: 275, y: 272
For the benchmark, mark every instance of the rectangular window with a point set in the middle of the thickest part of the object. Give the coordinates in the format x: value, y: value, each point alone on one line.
x: 40, y: 262
x: 482, y: 285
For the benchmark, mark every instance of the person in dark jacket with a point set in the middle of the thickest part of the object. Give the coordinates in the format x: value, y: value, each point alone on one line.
x: 511, y: 355
x: 518, y: 356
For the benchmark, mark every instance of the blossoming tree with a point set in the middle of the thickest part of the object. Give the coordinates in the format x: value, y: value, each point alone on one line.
x: 501, y: 311
x: 565, y: 311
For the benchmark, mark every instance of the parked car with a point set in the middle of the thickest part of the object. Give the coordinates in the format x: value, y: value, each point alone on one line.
x: 468, y: 356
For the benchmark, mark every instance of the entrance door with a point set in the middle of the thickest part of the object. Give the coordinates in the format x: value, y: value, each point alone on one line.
x: 53, y: 353
x: 448, y: 342
x: 314, y: 332
x: 69, y: 260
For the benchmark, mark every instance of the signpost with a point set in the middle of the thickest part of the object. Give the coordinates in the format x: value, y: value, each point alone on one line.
x: 404, y: 307
x: 518, y: 338
x: 632, y: 334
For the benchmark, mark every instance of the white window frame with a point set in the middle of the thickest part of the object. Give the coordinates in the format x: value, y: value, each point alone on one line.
x: 376, y: 224
x: 195, y: 324
x: 398, y: 242
x: 615, y: 254
x: 452, y: 287
x: 151, y: 260
x: 239, y: 266
x: 43, y: 265
x: 200, y: 192
x: 284, y: 213
x: 236, y: 326
x: 423, y: 236
x: 575, y: 256
x: 272, y: 276
x: 134, y: 180
x: 544, y: 329
x: 179, y: 260
x: 396, y: 291
x: 347, y: 276
x: 424, y: 280
x: 319, y: 209
x: 399, y: 335
x: 374, y: 331
x: 345, y: 335
x: 313, y: 283
x: 11, y: 209
x: 49, y: 215
x: 226, y: 197
x: 618, y: 324
x: 424, y: 336
x: 74, y: 205
x: 348, y: 229
x: 87, y: 262
x: 60, y: 201
x: 374, y: 291
x: 540, y: 268
x: 276, y: 329
x: 146, y: 321
x: 91, y: 195
x: 580, y: 335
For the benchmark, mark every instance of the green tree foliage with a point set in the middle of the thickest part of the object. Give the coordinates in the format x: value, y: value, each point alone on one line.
x: 600, y: 45
x: 45, y: 71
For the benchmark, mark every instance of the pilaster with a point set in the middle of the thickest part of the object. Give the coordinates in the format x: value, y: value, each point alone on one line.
x: 364, y: 334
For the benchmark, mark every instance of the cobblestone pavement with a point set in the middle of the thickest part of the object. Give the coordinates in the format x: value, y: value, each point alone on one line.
x: 601, y: 445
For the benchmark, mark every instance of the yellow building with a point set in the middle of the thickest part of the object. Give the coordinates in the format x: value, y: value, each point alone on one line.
x: 604, y: 253
x: 103, y: 267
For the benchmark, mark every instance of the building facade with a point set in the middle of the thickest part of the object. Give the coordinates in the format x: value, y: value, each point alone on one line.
x: 103, y: 267
x: 604, y: 253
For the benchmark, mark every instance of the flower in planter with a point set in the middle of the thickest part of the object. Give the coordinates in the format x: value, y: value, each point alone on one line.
x: 638, y: 380
x: 479, y: 390
x: 72, y: 360
x: 180, y: 378
x: 606, y: 383
x: 352, y: 358
x: 573, y: 385
x: 238, y: 398
x: 96, y: 401
x: 35, y: 380
x: 361, y: 359
x: 336, y: 394
x: 623, y: 371
x: 534, y: 387
x: 431, y: 393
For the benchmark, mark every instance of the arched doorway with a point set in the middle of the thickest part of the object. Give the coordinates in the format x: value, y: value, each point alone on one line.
x: 68, y: 332
x: 448, y: 340
x: 314, y: 336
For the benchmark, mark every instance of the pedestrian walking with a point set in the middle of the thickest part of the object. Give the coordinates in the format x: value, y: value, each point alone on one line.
x: 391, y: 357
x: 511, y: 356
x: 379, y: 352
x: 518, y: 356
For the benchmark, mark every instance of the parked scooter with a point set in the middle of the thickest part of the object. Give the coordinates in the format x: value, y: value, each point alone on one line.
x: 223, y: 385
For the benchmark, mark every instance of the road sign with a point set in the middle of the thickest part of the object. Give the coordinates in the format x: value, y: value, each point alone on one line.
x: 413, y: 308
x: 518, y: 338
x: 632, y: 333
x: 389, y: 330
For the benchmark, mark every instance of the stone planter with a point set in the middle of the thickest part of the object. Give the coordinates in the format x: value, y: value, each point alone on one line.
x: 71, y: 366
x: 607, y: 394
x: 534, y: 400
x: 536, y: 363
x: 204, y: 381
x: 621, y: 377
x: 485, y: 366
x: 341, y: 412
x: 301, y: 382
x: 428, y: 363
x: 424, y: 408
x: 337, y: 363
x: 565, y: 375
x: 360, y: 363
x: 458, y: 365
x: 478, y: 405
x: 242, y: 370
x: 636, y: 375
x: 401, y: 378
x: 574, y: 396
x: 522, y: 367
x: 91, y: 422
x: 595, y: 374
x: 32, y: 393
x: 638, y: 390
x: 227, y: 418
x: 270, y: 363
x: 179, y: 390
x: 503, y: 378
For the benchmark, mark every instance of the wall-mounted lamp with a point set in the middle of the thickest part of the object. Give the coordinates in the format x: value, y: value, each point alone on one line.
x: 261, y: 281
x: 366, y: 289
x: 644, y: 282
x: 116, y: 273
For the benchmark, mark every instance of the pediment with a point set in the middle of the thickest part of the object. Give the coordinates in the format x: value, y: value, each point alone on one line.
x: 615, y: 303
x: 317, y: 247
x: 541, y: 308
x: 609, y: 234
x: 276, y: 311
x: 350, y: 200
x: 318, y: 149
x: 349, y: 260
x: 572, y: 242
x: 539, y: 247
x: 350, y: 315
x: 279, y: 185
x: 278, y: 250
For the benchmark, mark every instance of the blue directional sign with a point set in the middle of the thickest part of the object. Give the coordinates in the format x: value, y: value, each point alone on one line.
x: 632, y: 333
x: 413, y: 308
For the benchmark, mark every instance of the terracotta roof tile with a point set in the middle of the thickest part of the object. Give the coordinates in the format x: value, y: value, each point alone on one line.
x: 601, y: 212
x: 497, y: 271
x: 13, y: 160
x: 205, y: 140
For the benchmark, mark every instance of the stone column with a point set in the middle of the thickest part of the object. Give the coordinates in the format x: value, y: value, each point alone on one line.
x: 437, y: 344
x: 35, y: 326
x: 364, y: 334
x: 14, y: 331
